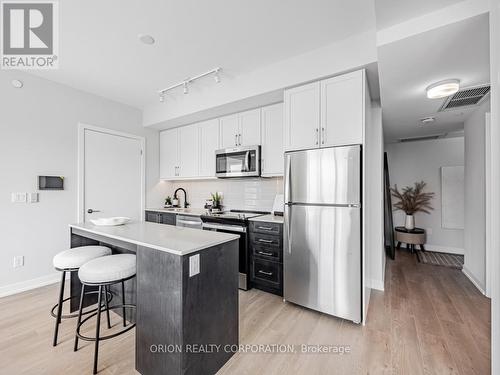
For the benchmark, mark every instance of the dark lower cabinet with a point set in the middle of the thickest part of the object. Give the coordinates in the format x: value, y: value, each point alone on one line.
x: 160, y: 217
x: 266, y: 256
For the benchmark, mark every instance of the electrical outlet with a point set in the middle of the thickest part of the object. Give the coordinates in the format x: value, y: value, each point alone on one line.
x: 18, y: 261
x: 194, y: 265
x: 32, y: 197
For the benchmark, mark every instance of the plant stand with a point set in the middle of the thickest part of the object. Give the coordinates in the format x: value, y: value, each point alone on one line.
x: 413, y: 237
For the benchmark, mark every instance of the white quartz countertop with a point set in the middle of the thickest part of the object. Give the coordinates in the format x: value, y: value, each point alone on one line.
x: 169, y: 238
x: 180, y: 211
x: 268, y: 219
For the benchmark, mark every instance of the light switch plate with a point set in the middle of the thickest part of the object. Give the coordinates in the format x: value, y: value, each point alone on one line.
x: 194, y: 265
x: 18, y: 197
x: 18, y: 261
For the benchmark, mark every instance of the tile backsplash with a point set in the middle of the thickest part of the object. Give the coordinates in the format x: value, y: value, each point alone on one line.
x: 246, y: 194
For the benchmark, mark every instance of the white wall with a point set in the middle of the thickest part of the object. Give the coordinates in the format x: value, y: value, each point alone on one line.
x: 475, y: 185
x: 346, y: 55
x: 415, y: 161
x: 38, y: 135
x: 244, y: 194
x: 374, y: 149
x: 494, y: 265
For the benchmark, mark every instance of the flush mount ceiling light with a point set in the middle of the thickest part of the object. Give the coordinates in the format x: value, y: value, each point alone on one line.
x: 17, y: 83
x: 146, y: 39
x: 443, y: 89
x: 187, y: 81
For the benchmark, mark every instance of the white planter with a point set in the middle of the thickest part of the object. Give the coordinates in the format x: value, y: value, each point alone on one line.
x: 410, y: 222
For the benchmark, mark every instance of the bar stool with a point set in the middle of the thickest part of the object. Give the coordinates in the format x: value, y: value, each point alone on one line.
x: 70, y: 261
x: 103, y: 272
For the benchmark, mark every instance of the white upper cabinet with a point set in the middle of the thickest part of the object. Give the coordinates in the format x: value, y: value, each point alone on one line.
x: 302, y: 117
x: 249, y: 128
x: 209, y: 142
x: 188, y: 151
x: 169, y: 154
x: 229, y: 131
x: 272, y: 141
x: 342, y: 110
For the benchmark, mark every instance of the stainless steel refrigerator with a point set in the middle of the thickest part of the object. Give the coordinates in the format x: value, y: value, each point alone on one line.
x: 322, y: 249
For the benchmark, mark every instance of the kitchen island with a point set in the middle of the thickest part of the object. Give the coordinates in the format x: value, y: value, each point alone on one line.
x: 181, y: 310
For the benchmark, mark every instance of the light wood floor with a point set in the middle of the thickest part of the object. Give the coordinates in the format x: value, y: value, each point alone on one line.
x: 430, y: 320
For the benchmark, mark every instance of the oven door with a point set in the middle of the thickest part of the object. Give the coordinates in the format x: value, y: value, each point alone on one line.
x: 238, y: 162
x: 243, y: 252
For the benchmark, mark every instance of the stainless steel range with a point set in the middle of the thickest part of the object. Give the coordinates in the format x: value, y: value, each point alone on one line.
x: 234, y: 222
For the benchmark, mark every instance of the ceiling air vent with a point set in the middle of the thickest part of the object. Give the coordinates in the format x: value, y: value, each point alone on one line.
x: 466, y: 97
x: 424, y: 138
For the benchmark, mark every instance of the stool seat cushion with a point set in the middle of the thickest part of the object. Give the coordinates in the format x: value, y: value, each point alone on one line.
x: 78, y: 256
x: 108, y: 269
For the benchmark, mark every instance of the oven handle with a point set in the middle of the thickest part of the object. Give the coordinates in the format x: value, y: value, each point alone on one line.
x: 247, y: 162
x: 233, y: 228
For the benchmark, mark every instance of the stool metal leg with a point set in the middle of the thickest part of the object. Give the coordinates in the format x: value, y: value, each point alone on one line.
x: 59, y: 308
x: 107, y: 306
x: 75, y: 348
x: 123, y: 303
x: 98, y: 326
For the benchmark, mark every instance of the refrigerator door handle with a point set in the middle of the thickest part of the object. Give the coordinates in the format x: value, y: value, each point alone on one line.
x: 288, y: 185
x: 288, y: 231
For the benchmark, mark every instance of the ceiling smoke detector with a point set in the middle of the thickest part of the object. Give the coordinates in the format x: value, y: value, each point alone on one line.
x: 146, y: 39
x: 442, y: 89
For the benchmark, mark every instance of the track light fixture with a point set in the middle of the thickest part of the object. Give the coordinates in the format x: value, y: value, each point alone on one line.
x: 187, y: 81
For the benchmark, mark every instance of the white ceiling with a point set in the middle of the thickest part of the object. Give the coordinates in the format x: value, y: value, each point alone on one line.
x: 408, y: 66
x: 100, y: 52
x: 392, y: 12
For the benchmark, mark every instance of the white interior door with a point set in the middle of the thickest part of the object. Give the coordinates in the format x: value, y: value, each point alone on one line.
x: 113, y: 178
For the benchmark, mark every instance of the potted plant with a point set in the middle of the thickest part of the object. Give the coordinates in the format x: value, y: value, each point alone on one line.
x: 412, y: 199
x: 217, y: 200
x: 168, y: 201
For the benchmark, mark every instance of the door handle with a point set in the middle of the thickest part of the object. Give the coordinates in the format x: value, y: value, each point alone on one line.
x: 264, y: 253
x: 265, y: 241
x: 90, y: 211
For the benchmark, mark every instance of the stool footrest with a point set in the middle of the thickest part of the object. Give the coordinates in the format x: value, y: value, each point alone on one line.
x: 87, y: 338
x: 74, y: 315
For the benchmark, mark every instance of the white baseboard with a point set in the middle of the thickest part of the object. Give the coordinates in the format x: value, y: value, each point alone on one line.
x: 23, y: 286
x: 444, y: 249
x: 377, y: 285
x: 473, y: 280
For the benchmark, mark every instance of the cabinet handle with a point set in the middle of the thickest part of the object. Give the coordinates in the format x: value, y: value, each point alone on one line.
x: 264, y: 253
x: 266, y: 273
x: 236, y: 139
x: 239, y: 139
x: 322, y: 135
x: 265, y: 241
x: 317, y: 135
x: 265, y: 228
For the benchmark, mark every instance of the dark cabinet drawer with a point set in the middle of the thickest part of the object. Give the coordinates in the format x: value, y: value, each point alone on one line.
x: 267, y: 240
x: 161, y: 218
x: 264, y: 227
x: 267, y: 252
x: 266, y: 271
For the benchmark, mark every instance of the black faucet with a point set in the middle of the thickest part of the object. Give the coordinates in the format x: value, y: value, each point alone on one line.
x: 186, y: 204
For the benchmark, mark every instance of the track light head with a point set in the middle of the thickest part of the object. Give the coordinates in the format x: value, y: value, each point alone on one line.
x: 185, y: 85
x: 216, y: 76
x: 162, y: 97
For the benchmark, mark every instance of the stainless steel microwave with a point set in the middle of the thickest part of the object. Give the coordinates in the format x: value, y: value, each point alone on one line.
x: 238, y: 162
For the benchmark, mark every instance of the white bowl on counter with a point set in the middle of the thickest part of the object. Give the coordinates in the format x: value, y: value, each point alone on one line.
x: 110, y: 221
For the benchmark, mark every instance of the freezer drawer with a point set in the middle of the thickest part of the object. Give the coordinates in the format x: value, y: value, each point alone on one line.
x: 323, y: 176
x: 322, y: 259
